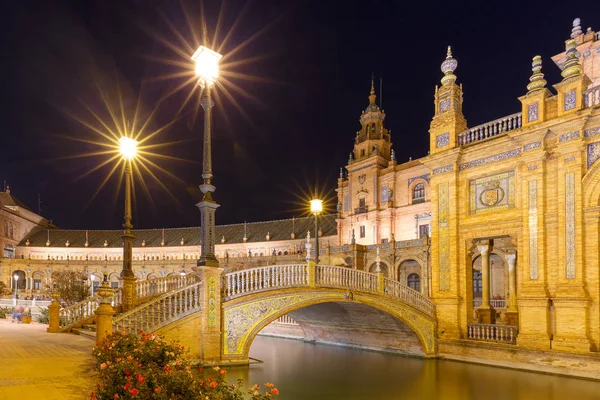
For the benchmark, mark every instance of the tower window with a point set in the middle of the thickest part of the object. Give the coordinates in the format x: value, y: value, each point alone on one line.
x: 373, y: 127
x: 419, y: 193
x: 362, y: 231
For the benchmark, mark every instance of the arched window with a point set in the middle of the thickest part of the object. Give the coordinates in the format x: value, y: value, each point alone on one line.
x: 373, y: 127
x: 477, y: 289
x: 419, y: 193
x: 414, y: 282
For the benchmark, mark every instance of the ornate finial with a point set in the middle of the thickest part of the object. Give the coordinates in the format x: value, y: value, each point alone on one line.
x: 182, y: 242
x: 7, y: 189
x: 87, y: 241
x: 48, y: 240
x: 572, y: 67
x: 448, y: 67
x: 372, y: 96
x: 67, y: 243
x: 320, y: 232
x: 353, y: 241
x: 341, y: 172
x: 105, y: 243
x: 144, y: 243
x: 393, y: 155
x: 537, y: 81
x: 576, y: 31
x: 268, y: 237
x: 27, y: 243
x: 350, y: 158
x: 223, y: 239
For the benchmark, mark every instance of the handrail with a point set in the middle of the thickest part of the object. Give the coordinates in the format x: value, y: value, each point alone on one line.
x: 152, y: 287
x: 490, y: 129
x: 263, y: 278
x: 493, y: 333
x: 79, y: 312
x: 591, y: 97
x: 158, y: 312
x: 346, y: 278
x: 402, y: 292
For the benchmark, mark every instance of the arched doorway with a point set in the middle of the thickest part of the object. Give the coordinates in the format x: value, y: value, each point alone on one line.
x: 409, y: 267
x: 21, y: 282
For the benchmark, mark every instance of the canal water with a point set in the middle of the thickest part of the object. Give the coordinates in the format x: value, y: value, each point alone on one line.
x: 307, y: 371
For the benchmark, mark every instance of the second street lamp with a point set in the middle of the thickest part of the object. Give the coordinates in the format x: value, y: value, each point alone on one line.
x: 316, y: 207
x: 16, y: 276
x: 128, y: 149
x: 207, y: 70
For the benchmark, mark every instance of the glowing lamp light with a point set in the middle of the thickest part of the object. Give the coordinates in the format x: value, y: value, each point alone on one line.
x: 128, y: 147
x: 16, y: 277
x: 316, y: 206
x: 207, y: 64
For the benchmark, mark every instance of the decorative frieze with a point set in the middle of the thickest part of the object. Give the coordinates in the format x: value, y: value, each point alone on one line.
x: 443, y: 140
x: 533, y: 230
x: 570, y: 225
x: 443, y: 169
x: 532, y: 146
x: 492, y: 193
x: 593, y: 153
x: 496, y: 157
x: 443, y: 240
x: 532, y: 112
x: 591, y: 132
x: 570, y: 100
x: 568, y: 136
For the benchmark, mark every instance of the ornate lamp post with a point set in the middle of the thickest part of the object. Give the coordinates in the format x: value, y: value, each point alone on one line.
x: 128, y: 149
x: 16, y: 300
x: 316, y: 207
x: 207, y: 70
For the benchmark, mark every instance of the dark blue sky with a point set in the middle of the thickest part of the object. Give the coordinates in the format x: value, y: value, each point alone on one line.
x: 315, y: 65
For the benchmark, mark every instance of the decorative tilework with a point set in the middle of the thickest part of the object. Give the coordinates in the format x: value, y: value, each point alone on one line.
x: 568, y: 136
x: 532, y: 167
x: 533, y: 230
x: 591, y: 132
x: 443, y: 140
x: 570, y: 159
x: 444, y: 105
x: 593, y: 153
x: 532, y: 146
x: 411, y: 180
x: 570, y: 225
x: 384, y: 194
x: 570, y: 100
x: 493, y: 158
x: 532, y: 112
x: 492, y: 193
x: 445, y: 168
x: 443, y: 240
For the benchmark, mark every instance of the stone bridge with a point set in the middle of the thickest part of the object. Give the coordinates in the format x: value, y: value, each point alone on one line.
x: 218, y: 316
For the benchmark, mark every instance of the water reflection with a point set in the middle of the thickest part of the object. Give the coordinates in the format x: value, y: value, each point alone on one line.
x: 303, y: 371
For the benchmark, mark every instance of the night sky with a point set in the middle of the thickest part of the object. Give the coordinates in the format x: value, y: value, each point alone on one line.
x: 312, y: 61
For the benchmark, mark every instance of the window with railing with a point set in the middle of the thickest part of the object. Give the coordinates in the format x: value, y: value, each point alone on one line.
x: 419, y: 193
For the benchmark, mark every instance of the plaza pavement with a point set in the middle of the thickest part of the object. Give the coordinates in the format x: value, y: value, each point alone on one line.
x: 38, y: 365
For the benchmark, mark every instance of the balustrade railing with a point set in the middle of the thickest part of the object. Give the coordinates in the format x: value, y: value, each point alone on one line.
x: 493, y: 303
x: 345, y: 278
x: 591, y: 97
x: 162, y: 285
x: 402, y: 292
x: 160, y: 311
x: 84, y: 310
x: 493, y: 333
x: 285, y: 320
x: 256, y: 279
x: 490, y: 129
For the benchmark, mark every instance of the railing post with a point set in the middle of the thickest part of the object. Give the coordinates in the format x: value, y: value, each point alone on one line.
x: 207, y: 348
x: 54, y: 314
x: 312, y: 274
x: 380, y: 282
x: 104, y: 312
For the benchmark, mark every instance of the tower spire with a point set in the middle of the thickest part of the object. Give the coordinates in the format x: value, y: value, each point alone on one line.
x: 537, y: 81
x: 572, y: 67
x: 448, y: 67
x: 372, y: 96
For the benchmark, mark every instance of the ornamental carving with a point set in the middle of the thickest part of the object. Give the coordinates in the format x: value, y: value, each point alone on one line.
x: 532, y: 112
x: 492, y: 193
x: 570, y: 225
x: 443, y: 240
x: 362, y: 178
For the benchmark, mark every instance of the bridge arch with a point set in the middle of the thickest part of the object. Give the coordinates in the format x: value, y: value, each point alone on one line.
x: 245, y: 317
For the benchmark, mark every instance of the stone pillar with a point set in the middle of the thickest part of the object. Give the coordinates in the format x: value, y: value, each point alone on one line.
x: 312, y: 270
x: 54, y: 314
x: 487, y: 315
x: 512, y: 315
x: 208, y: 349
x: 105, y: 311
x: 128, y: 300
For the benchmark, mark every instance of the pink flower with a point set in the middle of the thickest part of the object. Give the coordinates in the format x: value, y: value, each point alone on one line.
x: 103, y: 365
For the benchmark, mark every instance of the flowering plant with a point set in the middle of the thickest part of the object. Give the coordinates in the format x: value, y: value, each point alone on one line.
x: 143, y: 366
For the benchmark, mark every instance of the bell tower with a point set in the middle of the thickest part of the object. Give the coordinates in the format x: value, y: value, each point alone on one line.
x: 448, y: 120
x: 373, y: 138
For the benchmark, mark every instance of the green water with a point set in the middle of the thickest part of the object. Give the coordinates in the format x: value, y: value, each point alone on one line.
x: 312, y: 371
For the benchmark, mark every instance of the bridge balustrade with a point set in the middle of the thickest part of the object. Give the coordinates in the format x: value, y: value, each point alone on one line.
x: 346, y: 278
x: 165, y: 284
x: 257, y: 279
x: 84, y: 310
x: 402, y: 292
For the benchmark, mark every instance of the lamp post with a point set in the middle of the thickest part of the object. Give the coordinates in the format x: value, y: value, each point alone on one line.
x: 207, y: 70
x: 16, y: 276
x: 128, y: 149
x: 316, y: 207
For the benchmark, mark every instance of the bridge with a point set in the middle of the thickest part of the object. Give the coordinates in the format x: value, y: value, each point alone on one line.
x: 217, y: 315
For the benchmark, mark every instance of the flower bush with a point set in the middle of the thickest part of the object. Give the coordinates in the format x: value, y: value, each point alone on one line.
x: 143, y: 366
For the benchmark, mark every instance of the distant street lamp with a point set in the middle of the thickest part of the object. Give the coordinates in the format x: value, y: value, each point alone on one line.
x: 92, y: 277
x: 16, y: 276
x: 207, y: 70
x: 316, y: 207
x: 128, y: 149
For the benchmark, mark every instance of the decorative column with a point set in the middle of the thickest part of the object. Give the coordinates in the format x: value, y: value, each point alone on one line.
x: 54, y: 313
x: 512, y: 315
x: 487, y: 315
x: 127, y: 274
x: 105, y: 311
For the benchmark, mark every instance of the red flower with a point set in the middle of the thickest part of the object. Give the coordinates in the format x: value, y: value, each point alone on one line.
x: 116, y: 396
x: 140, y: 378
x: 275, y: 391
x: 134, y: 392
x: 222, y: 372
x: 214, y: 384
x: 127, y: 372
x: 127, y: 386
x: 166, y: 368
x: 93, y: 395
x: 157, y: 390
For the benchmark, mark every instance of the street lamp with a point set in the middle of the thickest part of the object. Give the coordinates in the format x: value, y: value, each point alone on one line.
x: 316, y: 207
x: 207, y: 70
x: 16, y: 276
x: 128, y: 149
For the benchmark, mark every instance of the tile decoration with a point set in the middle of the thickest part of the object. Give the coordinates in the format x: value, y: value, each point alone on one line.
x: 568, y: 136
x: 533, y: 230
x: 443, y: 239
x: 570, y: 100
x: 532, y: 112
x: 532, y: 146
x: 444, y: 105
x: 532, y: 167
x: 570, y: 159
x: 492, y: 193
x: 384, y: 194
x: 443, y: 140
x: 443, y: 169
x: 593, y: 153
x: 411, y: 180
x: 570, y: 225
x: 591, y: 132
x: 496, y: 157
